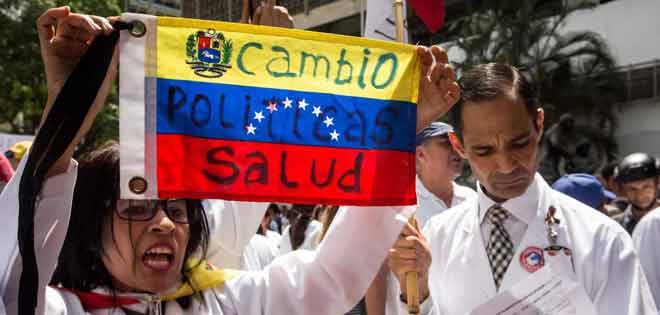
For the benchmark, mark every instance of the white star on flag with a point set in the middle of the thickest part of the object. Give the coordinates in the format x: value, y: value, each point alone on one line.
x: 302, y: 104
x: 334, y: 135
x: 272, y: 107
x: 250, y: 129
x: 317, y: 111
x: 328, y: 121
x: 259, y: 115
x: 287, y: 103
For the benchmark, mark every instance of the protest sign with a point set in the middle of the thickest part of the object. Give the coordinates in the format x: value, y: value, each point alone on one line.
x: 242, y: 112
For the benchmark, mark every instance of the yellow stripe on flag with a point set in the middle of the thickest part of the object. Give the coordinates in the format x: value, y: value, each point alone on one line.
x: 286, y: 59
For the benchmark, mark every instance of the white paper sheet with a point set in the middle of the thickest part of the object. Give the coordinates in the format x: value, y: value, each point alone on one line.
x: 543, y: 292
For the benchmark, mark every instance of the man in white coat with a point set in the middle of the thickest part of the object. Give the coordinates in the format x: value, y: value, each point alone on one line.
x: 489, y: 244
x: 646, y: 238
x: 438, y: 164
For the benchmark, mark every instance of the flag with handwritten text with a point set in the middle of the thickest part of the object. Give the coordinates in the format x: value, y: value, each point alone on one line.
x: 241, y: 112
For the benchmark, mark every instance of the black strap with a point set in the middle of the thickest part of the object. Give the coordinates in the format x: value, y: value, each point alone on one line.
x: 61, y: 126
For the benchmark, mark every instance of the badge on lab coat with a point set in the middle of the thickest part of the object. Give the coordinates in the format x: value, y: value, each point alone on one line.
x: 560, y: 257
x: 532, y: 259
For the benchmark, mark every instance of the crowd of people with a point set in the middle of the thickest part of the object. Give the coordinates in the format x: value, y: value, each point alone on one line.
x: 99, y: 254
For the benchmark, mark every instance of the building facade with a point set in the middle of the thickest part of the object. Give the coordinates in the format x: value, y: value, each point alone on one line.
x: 630, y: 28
x: 219, y: 10
x: 155, y: 7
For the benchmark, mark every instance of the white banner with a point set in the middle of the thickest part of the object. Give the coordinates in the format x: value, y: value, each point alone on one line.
x: 380, y: 20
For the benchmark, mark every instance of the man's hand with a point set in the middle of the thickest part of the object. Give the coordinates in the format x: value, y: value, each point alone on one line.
x: 64, y: 37
x: 438, y: 90
x: 411, y: 253
x: 267, y: 14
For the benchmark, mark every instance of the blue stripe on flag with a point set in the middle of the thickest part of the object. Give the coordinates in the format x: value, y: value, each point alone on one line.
x: 244, y: 113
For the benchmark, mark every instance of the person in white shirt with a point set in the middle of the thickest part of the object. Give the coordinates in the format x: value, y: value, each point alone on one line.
x: 438, y: 164
x: 303, y: 231
x: 646, y: 238
x: 233, y: 243
x: 518, y: 224
x: 258, y: 253
x: 267, y: 223
x: 273, y: 237
x: 234, y: 224
x: 135, y: 257
x: 138, y: 251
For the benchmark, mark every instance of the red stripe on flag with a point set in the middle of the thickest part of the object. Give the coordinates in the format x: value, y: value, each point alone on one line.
x: 190, y: 167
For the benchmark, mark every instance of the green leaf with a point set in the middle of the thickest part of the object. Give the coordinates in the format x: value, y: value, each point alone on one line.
x: 227, y: 47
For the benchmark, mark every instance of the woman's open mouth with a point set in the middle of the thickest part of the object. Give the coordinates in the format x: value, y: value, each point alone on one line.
x: 159, y: 257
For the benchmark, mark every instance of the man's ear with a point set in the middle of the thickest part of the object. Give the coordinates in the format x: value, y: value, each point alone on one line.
x: 540, y: 117
x: 419, y: 152
x: 456, y: 144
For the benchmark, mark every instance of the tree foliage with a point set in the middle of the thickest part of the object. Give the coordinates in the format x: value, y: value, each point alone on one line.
x: 573, y: 71
x: 21, y: 69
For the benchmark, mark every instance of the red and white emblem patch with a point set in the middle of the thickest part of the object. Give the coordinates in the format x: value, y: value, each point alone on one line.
x: 532, y: 259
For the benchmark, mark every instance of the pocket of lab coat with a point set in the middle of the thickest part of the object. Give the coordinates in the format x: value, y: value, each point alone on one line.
x: 561, y: 261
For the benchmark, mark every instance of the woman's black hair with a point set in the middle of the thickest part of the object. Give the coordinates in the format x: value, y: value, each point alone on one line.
x: 304, y: 215
x: 80, y: 265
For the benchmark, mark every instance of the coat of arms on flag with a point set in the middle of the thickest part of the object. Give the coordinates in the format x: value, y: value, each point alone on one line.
x: 242, y: 112
x: 209, y: 53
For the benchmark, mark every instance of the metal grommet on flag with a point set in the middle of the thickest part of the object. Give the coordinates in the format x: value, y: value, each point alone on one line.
x: 138, y: 29
x: 138, y: 185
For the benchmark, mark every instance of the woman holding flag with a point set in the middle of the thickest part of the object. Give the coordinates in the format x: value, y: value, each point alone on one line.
x: 138, y: 257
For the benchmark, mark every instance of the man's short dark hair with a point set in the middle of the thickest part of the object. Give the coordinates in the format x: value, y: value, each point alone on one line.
x: 490, y: 81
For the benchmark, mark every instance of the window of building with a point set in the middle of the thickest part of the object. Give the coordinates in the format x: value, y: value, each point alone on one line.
x: 641, y: 83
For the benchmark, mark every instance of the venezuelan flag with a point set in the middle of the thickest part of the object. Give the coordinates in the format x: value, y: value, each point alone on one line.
x: 241, y: 112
